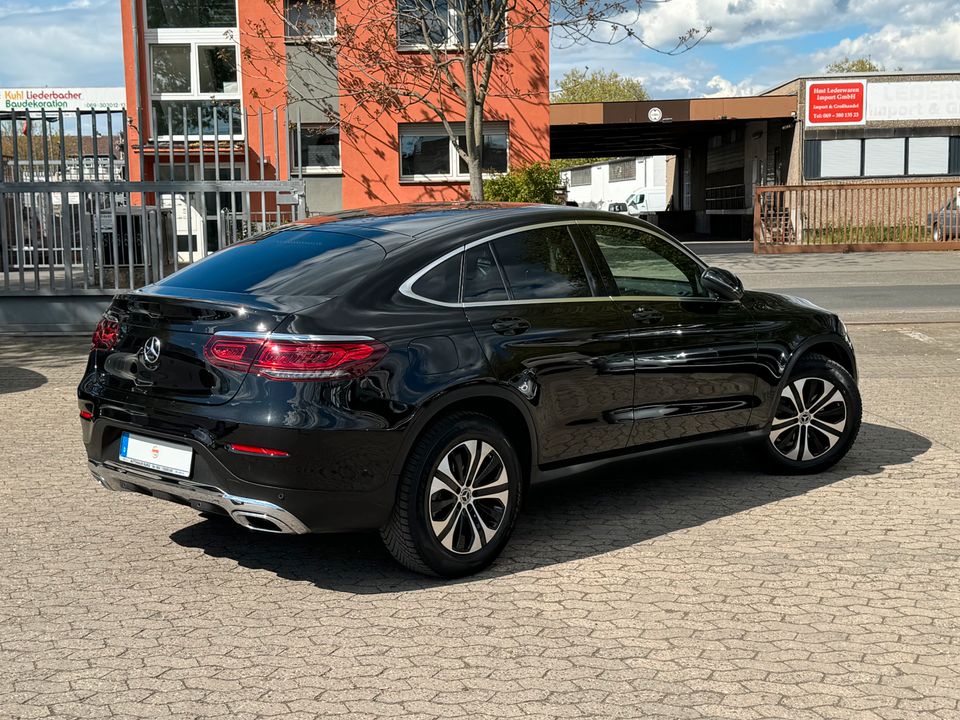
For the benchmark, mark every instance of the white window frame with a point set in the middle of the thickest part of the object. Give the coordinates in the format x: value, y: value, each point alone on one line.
x: 313, y: 169
x: 195, y: 38
x: 304, y: 39
x: 437, y: 130
x: 195, y: 94
x: 912, y: 158
x: 453, y: 42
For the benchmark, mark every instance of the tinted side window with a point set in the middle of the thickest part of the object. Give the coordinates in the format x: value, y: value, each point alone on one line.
x: 442, y: 283
x: 482, y: 281
x: 643, y: 264
x: 542, y: 264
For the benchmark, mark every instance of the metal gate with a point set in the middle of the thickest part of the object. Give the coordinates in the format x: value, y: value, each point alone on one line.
x: 72, y: 222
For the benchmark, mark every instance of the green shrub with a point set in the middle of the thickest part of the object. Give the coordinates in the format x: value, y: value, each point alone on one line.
x: 537, y: 183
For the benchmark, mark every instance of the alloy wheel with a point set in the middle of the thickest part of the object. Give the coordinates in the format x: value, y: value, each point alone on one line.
x: 810, y: 419
x: 469, y: 493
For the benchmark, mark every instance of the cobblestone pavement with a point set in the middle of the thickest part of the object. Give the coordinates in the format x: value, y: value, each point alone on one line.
x: 689, y: 588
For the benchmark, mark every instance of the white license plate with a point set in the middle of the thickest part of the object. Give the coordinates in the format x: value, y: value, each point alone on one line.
x: 156, y: 454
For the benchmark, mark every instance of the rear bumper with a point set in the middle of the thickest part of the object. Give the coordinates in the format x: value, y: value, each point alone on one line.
x: 252, y: 513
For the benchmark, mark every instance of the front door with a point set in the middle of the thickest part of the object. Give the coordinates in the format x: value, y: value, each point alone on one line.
x: 694, y: 354
x: 548, y: 333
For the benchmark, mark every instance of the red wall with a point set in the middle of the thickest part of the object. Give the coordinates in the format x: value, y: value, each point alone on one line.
x: 263, y: 72
x: 369, y: 147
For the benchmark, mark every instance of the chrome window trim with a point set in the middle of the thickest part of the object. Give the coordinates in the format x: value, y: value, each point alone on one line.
x: 292, y: 337
x: 407, y: 287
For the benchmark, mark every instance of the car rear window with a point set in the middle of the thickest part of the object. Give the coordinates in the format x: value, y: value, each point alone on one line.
x: 289, y: 262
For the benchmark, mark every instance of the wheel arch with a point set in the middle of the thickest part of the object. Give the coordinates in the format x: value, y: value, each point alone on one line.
x: 496, y: 401
x: 829, y: 345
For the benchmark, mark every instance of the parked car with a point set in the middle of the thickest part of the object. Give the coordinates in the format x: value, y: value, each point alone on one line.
x: 944, y: 224
x: 412, y: 369
x: 617, y: 207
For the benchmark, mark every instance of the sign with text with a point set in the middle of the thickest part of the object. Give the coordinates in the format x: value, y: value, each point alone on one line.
x: 66, y: 99
x: 840, y: 102
x: 914, y: 100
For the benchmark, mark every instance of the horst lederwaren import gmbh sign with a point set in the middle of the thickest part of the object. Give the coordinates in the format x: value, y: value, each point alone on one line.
x: 854, y: 102
x: 836, y: 102
x: 63, y: 98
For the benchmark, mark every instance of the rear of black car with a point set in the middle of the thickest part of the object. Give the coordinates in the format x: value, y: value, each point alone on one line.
x: 199, y: 389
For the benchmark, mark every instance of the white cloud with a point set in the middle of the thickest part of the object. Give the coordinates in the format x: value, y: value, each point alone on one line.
x: 912, y: 47
x: 743, y: 22
x: 721, y: 87
x: 76, y: 43
x: 914, y: 35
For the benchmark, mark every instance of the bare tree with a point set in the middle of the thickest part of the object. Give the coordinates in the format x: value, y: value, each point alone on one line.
x: 448, y: 56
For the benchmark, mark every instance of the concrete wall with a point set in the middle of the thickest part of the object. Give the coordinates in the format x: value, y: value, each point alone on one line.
x: 312, y: 83
x: 324, y: 193
x: 51, y: 313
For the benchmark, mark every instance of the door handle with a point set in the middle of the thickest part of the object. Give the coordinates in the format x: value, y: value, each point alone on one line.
x: 647, y: 317
x: 510, y: 325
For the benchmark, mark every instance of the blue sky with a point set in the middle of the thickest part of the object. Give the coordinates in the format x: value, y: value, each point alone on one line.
x: 754, y: 44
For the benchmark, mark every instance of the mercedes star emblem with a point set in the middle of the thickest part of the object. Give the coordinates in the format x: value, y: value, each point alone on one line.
x: 151, y: 351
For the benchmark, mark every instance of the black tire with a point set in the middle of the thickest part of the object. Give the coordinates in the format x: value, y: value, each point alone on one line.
x: 409, y: 534
x: 816, y: 426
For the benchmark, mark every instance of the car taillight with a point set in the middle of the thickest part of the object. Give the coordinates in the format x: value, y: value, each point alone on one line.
x: 295, y: 359
x: 232, y: 353
x: 106, y: 335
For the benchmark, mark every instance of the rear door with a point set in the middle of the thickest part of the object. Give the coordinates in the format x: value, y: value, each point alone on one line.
x: 548, y: 330
x: 694, y: 354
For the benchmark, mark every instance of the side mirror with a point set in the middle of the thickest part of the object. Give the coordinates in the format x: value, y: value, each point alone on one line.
x: 723, y: 283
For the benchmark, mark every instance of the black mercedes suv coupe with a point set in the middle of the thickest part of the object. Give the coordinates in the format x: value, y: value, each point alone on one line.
x: 412, y: 369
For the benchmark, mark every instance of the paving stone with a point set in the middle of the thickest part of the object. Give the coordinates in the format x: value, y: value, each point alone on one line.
x: 690, y: 587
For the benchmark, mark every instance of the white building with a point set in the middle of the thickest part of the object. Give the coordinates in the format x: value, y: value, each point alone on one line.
x: 639, y: 183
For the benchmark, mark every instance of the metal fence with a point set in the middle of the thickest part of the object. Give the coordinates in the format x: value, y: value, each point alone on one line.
x: 72, y: 221
x: 857, y: 216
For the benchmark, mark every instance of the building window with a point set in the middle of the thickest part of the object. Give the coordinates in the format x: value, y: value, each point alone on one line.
x: 839, y: 158
x: 623, y: 170
x: 426, y: 153
x: 218, y: 69
x: 493, y: 153
x: 316, y: 148
x: 580, y: 176
x: 929, y: 156
x: 881, y: 157
x: 310, y: 19
x: 422, y: 23
x: 170, y: 68
x: 166, y: 14
x: 199, y: 80
x: 191, y: 118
